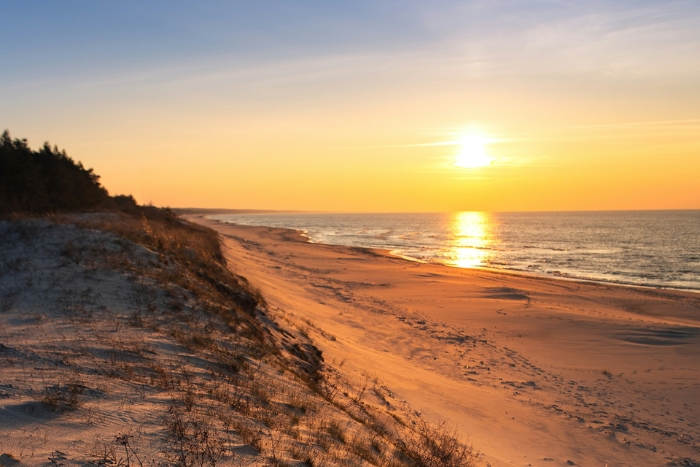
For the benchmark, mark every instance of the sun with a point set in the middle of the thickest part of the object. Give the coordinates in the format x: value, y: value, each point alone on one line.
x: 473, y: 154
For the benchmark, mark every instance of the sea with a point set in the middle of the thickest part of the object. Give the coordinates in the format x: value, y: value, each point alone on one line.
x: 642, y: 248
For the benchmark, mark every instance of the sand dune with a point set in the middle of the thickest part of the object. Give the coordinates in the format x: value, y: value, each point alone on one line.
x: 150, y: 353
x: 534, y: 371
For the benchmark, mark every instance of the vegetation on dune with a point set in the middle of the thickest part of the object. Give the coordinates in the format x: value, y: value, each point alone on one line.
x: 48, y: 181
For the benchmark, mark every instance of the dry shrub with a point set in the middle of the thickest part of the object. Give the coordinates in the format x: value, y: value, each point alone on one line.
x: 335, y: 430
x: 61, y: 398
x: 194, y: 442
x: 439, y: 446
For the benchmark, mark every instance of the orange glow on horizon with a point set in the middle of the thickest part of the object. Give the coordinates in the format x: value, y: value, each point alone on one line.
x: 350, y: 162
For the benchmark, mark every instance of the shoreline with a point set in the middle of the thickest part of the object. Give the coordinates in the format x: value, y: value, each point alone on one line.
x: 515, y: 272
x: 532, y: 370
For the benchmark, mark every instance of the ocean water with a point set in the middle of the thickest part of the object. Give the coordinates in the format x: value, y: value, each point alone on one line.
x: 648, y: 248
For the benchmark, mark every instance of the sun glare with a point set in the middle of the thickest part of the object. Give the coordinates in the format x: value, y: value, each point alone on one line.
x: 473, y: 153
x: 473, y: 237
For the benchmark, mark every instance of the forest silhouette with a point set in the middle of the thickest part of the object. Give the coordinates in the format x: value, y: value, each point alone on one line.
x: 47, y: 181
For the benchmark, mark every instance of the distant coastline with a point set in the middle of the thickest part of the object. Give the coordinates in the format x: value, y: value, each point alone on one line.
x: 651, y: 249
x: 209, y: 211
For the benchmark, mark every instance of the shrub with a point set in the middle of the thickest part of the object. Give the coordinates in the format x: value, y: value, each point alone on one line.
x: 61, y: 398
x: 439, y: 446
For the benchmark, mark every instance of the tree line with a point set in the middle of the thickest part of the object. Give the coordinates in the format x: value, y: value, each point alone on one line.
x: 47, y: 181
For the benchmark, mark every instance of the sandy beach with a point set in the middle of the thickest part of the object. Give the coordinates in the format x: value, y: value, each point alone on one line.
x: 126, y: 341
x: 533, y: 371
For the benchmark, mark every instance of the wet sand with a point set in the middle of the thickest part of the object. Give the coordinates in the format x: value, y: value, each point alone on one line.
x: 534, y: 371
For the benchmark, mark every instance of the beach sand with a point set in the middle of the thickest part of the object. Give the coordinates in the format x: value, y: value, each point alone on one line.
x: 533, y: 371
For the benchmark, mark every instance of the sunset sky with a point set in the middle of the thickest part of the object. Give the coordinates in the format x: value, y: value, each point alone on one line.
x: 365, y: 106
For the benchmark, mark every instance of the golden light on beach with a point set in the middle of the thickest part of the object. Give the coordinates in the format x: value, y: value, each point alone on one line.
x: 260, y: 210
x: 472, y: 236
x: 473, y: 153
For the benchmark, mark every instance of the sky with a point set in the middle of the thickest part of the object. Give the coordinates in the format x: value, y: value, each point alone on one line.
x: 365, y: 106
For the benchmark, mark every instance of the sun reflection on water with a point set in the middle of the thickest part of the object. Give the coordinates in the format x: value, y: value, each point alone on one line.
x: 472, y: 235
